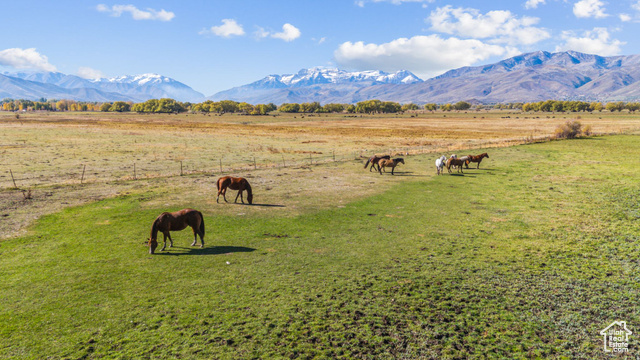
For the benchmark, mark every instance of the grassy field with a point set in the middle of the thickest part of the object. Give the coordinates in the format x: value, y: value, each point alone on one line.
x: 70, y: 159
x: 528, y: 257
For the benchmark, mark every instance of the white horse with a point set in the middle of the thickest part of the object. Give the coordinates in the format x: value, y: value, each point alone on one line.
x: 440, y: 162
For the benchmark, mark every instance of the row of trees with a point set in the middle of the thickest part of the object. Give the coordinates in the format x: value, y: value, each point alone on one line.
x: 221, y: 107
x: 167, y: 106
x: 579, y: 106
x: 229, y: 106
x: 364, y: 107
x: 368, y: 107
x: 48, y: 105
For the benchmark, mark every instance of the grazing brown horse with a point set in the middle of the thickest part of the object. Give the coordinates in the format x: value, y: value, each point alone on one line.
x: 374, y: 160
x: 176, y: 221
x: 455, y: 163
x: 476, y: 159
x: 383, y: 163
x: 234, y: 183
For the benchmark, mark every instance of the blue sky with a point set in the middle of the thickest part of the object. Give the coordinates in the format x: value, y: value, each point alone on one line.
x: 215, y: 45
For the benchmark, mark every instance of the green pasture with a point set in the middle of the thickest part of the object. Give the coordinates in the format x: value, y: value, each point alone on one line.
x: 528, y: 257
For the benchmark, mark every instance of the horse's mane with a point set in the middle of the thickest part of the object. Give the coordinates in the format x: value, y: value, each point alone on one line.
x: 248, y: 188
x: 154, y: 229
x: 398, y: 159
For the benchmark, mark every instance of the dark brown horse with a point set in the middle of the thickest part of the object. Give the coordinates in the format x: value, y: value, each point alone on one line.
x: 476, y: 159
x: 455, y: 163
x: 176, y: 221
x: 383, y: 163
x: 234, y: 183
x: 374, y: 160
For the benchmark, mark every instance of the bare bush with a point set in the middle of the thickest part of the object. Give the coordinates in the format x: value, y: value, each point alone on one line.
x: 27, y: 195
x: 569, y: 130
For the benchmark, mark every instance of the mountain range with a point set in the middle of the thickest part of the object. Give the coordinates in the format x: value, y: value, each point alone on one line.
x: 528, y: 77
x: 535, y: 76
x: 55, y: 85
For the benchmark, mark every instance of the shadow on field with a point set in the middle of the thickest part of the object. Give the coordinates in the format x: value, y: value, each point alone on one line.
x: 407, y: 173
x: 462, y: 175
x: 263, y: 205
x: 213, y: 250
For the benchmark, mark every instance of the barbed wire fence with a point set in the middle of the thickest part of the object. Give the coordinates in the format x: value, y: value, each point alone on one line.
x: 151, y: 169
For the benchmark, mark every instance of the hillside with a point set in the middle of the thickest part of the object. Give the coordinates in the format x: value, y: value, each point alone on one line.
x: 528, y: 77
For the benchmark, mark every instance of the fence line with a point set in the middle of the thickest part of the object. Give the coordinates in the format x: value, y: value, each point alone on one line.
x: 135, y: 171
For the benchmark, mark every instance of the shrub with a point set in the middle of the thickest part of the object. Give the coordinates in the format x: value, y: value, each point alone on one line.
x: 569, y: 130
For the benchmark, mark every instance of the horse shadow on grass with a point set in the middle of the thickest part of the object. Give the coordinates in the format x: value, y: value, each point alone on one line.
x: 211, y: 250
x: 262, y: 205
x: 481, y: 169
x: 405, y: 174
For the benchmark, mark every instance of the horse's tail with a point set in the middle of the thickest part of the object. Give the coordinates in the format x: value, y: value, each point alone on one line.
x: 201, y: 224
x: 367, y: 163
x: 218, y: 184
x: 249, y: 192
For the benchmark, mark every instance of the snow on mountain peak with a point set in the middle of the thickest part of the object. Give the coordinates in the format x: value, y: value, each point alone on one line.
x: 326, y: 75
x: 140, y: 79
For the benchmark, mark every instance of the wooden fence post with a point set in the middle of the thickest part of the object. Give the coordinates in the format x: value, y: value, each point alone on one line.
x: 82, y: 178
x: 12, y: 179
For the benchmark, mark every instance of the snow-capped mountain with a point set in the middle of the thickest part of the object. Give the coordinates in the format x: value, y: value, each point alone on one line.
x: 319, y: 75
x: 131, y: 87
x: 317, y: 78
x: 535, y: 76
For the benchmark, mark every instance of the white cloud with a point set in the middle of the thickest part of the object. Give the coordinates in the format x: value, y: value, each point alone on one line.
x: 228, y: 28
x: 395, y: 2
x: 533, y: 4
x: 625, y: 17
x: 596, y: 41
x: 25, y: 59
x: 137, y: 14
x: 89, y: 73
x: 426, y: 56
x: 589, y: 9
x: 499, y: 26
x: 636, y: 6
x: 289, y: 33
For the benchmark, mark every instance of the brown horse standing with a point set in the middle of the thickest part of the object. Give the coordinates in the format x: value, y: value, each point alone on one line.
x: 455, y: 163
x: 176, y: 221
x: 374, y: 160
x: 383, y: 163
x: 234, y: 183
x: 476, y: 159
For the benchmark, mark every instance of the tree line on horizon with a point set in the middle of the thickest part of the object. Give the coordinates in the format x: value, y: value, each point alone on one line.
x: 167, y: 105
